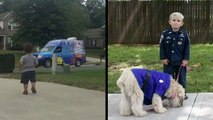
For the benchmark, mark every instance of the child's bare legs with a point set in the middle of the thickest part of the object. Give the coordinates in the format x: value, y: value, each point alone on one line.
x: 33, y: 87
x: 25, y: 89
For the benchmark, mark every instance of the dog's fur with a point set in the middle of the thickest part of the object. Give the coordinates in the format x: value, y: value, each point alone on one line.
x: 132, y: 95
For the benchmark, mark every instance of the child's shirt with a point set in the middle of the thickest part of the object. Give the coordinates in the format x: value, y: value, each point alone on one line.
x: 29, y: 62
x: 174, y: 46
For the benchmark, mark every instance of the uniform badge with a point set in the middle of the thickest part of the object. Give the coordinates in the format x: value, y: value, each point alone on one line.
x: 181, y: 35
x: 168, y: 37
x: 180, y: 43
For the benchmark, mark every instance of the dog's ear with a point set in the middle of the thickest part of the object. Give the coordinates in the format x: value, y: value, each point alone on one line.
x: 171, y: 89
x: 179, y: 88
x: 168, y: 94
x: 181, y: 91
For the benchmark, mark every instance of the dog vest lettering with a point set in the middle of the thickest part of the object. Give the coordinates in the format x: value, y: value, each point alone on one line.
x: 151, y: 82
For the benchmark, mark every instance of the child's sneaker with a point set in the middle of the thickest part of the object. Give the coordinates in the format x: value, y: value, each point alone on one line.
x: 33, y: 90
x: 25, y: 92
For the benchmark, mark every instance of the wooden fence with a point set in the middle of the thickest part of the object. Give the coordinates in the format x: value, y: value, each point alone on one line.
x: 142, y: 22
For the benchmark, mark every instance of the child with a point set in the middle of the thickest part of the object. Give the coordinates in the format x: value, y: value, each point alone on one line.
x: 174, y: 49
x: 27, y: 67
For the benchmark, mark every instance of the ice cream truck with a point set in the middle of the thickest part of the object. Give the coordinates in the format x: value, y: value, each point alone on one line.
x: 68, y: 51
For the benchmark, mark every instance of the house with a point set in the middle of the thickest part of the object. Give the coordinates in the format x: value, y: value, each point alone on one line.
x: 94, y: 38
x: 7, y: 29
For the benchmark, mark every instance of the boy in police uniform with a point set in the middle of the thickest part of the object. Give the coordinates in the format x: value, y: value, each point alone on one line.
x: 174, y: 49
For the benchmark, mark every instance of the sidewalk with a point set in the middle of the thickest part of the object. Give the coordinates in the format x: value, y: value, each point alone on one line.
x: 198, y: 106
x: 52, y: 102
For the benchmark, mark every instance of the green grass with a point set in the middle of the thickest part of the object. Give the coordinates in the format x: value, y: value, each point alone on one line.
x: 199, y: 79
x: 89, y: 79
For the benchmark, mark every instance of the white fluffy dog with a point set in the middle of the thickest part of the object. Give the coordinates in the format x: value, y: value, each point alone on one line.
x: 148, y: 89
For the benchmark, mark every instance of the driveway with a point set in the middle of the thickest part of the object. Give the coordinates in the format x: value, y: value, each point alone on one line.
x: 52, y: 102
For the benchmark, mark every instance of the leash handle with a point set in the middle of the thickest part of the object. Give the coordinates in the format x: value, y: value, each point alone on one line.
x: 187, y: 69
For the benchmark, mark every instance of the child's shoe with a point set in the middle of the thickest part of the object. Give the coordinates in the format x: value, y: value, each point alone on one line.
x: 25, y: 92
x: 33, y: 90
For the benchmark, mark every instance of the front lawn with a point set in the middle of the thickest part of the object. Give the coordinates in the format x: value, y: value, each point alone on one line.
x: 199, y: 79
x: 93, y: 78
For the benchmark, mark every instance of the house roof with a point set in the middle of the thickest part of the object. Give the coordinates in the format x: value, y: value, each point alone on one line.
x: 5, y: 14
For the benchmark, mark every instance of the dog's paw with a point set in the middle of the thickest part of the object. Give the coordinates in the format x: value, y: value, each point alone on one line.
x: 160, y: 110
x: 141, y: 114
x: 164, y: 109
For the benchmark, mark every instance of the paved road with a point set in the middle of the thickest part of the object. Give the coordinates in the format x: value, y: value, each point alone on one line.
x: 52, y: 102
x: 72, y: 68
x: 92, y: 63
x: 199, y: 106
x: 90, y: 59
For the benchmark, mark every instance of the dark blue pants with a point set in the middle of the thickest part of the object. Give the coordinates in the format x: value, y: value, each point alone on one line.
x: 173, y: 70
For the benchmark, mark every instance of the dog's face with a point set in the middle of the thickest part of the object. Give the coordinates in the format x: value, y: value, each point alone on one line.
x: 175, y: 94
x: 178, y: 96
x: 176, y: 102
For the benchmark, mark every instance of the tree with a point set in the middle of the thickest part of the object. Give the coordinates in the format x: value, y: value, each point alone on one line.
x: 96, y: 9
x: 43, y: 20
x: 5, y: 5
x: 77, y: 15
x: 9, y: 5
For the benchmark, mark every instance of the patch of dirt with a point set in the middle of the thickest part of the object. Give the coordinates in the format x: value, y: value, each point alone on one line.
x: 196, y: 66
x: 115, y: 67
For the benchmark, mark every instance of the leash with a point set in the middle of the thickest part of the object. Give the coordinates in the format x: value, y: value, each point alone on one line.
x: 187, y: 70
x: 175, y: 94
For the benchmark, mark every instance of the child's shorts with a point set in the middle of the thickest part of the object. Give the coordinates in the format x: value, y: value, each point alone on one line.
x: 28, y: 76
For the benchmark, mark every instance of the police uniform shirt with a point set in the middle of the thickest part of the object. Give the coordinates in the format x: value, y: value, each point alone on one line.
x: 174, y: 46
x: 157, y: 82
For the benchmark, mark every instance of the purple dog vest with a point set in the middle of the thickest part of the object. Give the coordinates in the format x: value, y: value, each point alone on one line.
x: 151, y: 82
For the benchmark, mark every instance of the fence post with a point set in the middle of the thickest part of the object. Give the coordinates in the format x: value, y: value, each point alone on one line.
x: 54, y: 64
